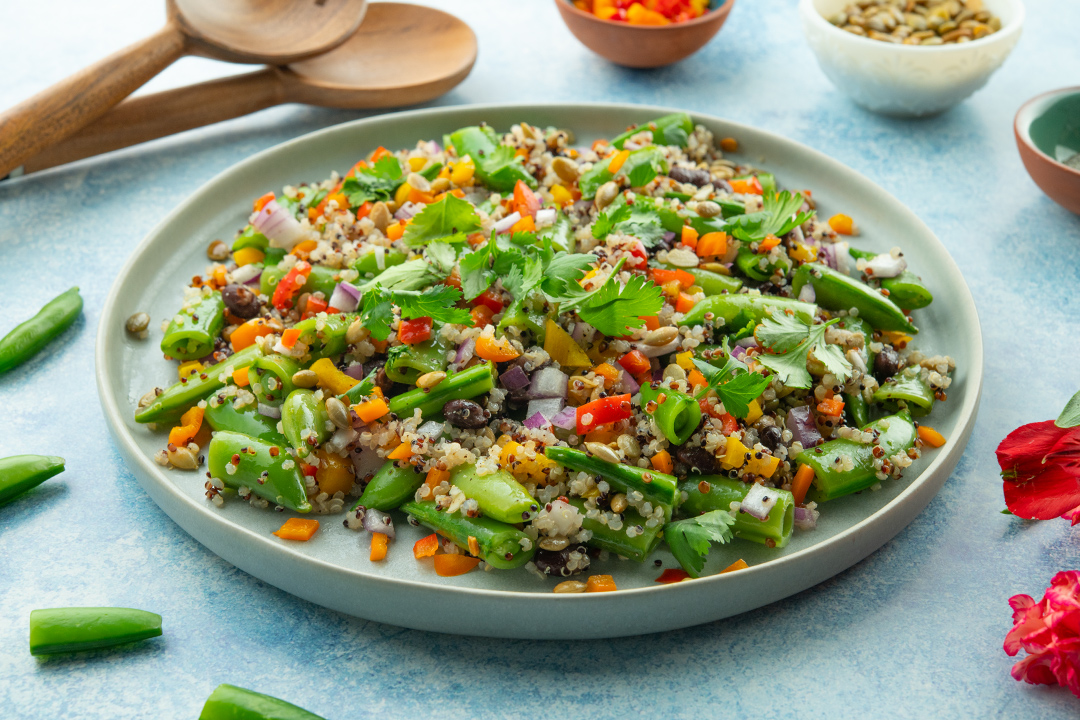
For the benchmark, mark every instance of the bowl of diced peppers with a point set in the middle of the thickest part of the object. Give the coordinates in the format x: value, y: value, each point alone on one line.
x: 644, y: 33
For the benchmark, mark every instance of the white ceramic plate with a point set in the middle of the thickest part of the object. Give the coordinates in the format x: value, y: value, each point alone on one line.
x: 333, y: 570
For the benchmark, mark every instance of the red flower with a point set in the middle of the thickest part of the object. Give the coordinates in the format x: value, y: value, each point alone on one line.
x: 1050, y: 633
x: 1040, y: 464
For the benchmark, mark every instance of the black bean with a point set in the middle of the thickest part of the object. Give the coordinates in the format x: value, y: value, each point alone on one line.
x: 697, y: 458
x: 465, y: 414
x: 553, y: 562
x: 383, y: 381
x: 686, y: 175
x: 241, y: 301
x: 886, y: 364
x: 771, y: 437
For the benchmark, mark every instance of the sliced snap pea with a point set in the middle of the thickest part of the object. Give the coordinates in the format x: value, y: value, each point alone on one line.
x: 271, y: 378
x: 637, y: 548
x: 500, y: 544
x: 657, y: 487
x: 192, y: 331
x: 265, y: 469
x: 676, y: 413
x: 463, y: 385
x: 390, y: 487
x: 21, y: 473
x: 908, y: 386
x: 61, y: 630
x: 499, y: 495
x: 229, y: 702
x: 673, y: 129
x: 27, y: 339
x: 405, y: 363
x: 248, y: 421
x: 722, y: 491
x: 172, y: 403
x: 304, y: 418
x: 744, y: 307
x: 906, y: 289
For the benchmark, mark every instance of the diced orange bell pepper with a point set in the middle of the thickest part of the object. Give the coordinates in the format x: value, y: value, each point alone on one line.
x: 635, y: 362
x: 617, y: 161
x: 371, y: 410
x: 832, y: 406
x: 401, y: 452
x: 525, y: 201
x: 525, y: 224
x: 240, y: 377
x: 378, y: 547
x: 712, y: 244
x: 261, y: 202
x: 768, y: 244
x: 662, y: 276
x: 842, y: 224
x: 334, y: 474
x: 672, y: 575
x: 451, y: 565
x: 739, y: 564
x: 488, y: 348
x: 289, y: 337
x: 395, y: 231
x: 300, y: 529
x: 800, y: 484
x: 930, y: 436
x: 747, y: 186
x: 425, y: 546
x: 661, y: 462
x: 689, y: 237
x: 684, y: 303
x: 695, y: 378
x: 379, y: 153
x: 609, y: 373
x: 436, y: 477
x: 244, y: 336
x: 190, y: 422
x: 638, y: 14
x: 600, y: 583
x: 651, y: 322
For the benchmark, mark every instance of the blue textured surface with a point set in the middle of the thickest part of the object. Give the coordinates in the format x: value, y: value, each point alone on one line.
x: 913, y: 631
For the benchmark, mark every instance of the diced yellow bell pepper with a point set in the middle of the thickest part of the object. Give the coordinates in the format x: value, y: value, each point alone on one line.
x: 562, y: 348
x: 561, y: 195
x: 895, y: 337
x: 764, y: 466
x: 331, y: 378
x: 248, y: 255
x: 416, y: 164
x: 754, y: 413
x: 803, y: 253
x: 736, y: 454
x: 685, y: 360
x: 462, y: 172
x: 513, y: 460
x: 402, y: 194
x: 191, y: 367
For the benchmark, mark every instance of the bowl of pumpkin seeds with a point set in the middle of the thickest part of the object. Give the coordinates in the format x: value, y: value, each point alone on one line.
x: 910, y: 58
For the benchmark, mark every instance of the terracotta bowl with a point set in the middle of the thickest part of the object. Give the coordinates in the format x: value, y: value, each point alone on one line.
x: 1047, y: 129
x: 643, y: 46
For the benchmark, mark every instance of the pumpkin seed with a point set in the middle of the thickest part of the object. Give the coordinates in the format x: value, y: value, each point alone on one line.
x: 570, y: 586
x: 565, y: 168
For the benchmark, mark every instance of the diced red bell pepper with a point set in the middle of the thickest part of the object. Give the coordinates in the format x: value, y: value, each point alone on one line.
x: 309, y: 470
x: 641, y: 257
x: 672, y: 575
x: 364, y: 210
x: 481, y: 315
x: 526, y: 201
x: 602, y: 412
x: 414, y: 331
x: 730, y: 424
x: 489, y: 298
x: 454, y: 279
x: 290, y: 285
x: 635, y: 362
x: 316, y: 305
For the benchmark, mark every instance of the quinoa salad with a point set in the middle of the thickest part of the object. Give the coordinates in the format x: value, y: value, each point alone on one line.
x: 548, y: 353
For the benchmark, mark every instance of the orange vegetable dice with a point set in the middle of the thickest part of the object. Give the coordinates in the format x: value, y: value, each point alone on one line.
x: 372, y: 410
x: 300, y: 529
x: 661, y: 462
x: 930, y: 436
x: 747, y: 186
x: 842, y: 224
x: 739, y: 564
x: 425, y: 546
x: 334, y: 474
x: 729, y: 144
x: 401, y: 452
x: 525, y: 224
x: 244, y: 336
x: 261, y: 202
x: 488, y: 348
x: 832, y: 406
x: 378, y: 546
x: 436, y: 477
x: 240, y: 377
x: 451, y: 565
x: 617, y: 161
x: 712, y: 244
x: 689, y: 237
x: 672, y: 575
x: 684, y: 303
x: 395, y: 231
x: 800, y: 484
x: 600, y: 583
x: 289, y: 337
x: 768, y: 244
x: 190, y: 422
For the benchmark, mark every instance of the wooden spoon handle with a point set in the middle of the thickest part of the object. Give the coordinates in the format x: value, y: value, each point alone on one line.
x: 55, y: 113
x: 147, y: 117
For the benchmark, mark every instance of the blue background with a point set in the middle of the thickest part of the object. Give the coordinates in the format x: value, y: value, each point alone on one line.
x: 913, y: 631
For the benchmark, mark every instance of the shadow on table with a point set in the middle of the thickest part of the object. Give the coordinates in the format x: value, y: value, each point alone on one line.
x: 129, y: 653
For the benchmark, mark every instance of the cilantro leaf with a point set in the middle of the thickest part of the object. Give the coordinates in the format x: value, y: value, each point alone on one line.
x: 442, y: 257
x: 374, y: 183
x: 409, y: 275
x: 779, y: 217
x: 436, y: 302
x: 689, y: 539
x: 733, y: 383
x: 788, y: 341
x: 617, y: 309
x: 606, y: 221
x: 450, y: 216
x: 377, y: 312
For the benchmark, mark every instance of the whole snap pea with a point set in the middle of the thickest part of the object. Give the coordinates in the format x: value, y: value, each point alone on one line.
x: 836, y: 291
x: 750, y: 263
x: 247, y: 421
x: 304, y: 418
x: 896, y: 434
x: 712, y: 283
x: 722, y: 491
x: 24, y: 472
x: 27, y: 339
x: 906, y: 289
x: 172, y: 403
x: 499, y: 495
x: 657, y: 487
x: 391, y: 486
x: 499, y: 543
x: 618, y: 541
x: 61, y: 630
x: 745, y: 307
x: 325, y: 336
x: 229, y: 702
x: 265, y: 469
x: 192, y: 331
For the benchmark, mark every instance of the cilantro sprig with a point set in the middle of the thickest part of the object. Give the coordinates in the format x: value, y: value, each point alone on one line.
x: 613, y: 308
x: 788, y: 341
x: 780, y: 216
x: 734, y: 384
x: 436, y: 302
x: 374, y: 183
x: 689, y: 540
x: 450, y: 217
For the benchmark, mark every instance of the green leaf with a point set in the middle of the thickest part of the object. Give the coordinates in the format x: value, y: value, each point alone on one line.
x: 789, y: 341
x: 442, y: 257
x: 616, y: 309
x: 447, y: 217
x: 436, y: 302
x: 689, y: 539
x: 780, y: 216
x: 377, y: 312
x: 781, y: 332
x: 409, y: 275
x: 1070, y: 416
x: 476, y: 274
x: 641, y: 175
x: 733, y: 383
x: 606, y: 221
x: 374, y: 183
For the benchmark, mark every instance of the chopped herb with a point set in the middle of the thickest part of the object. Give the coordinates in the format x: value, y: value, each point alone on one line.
x: 689, y: 539
x: 788, y: 341
x: 374, y: 183
x: 448, y: 217
x: 736, y: 386
x: 780, y: 216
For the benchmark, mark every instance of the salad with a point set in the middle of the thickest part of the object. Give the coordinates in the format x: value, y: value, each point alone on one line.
x: 548, y: 353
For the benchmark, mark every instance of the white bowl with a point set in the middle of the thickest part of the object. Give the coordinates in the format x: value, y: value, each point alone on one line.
x: 907, y: 80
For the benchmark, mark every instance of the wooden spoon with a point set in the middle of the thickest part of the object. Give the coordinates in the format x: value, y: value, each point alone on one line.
x: 401, y: 55
x: 269, y: 31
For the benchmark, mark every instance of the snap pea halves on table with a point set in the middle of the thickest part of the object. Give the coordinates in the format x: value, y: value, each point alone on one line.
x: 59, y: 630
x: 23, y: 472
x: 28, y: 339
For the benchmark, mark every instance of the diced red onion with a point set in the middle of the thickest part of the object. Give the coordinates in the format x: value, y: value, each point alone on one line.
x: 536, y: 421
x: 886, y: 266
x: 341, y: 439
x: 346, y: 297
x: 807, y: 293
x: 255, y: 280
x: 566, y: 419
x: 548, y: 382
x: 657, y: 371
x: 246, y: 273
x: 515, y: 378
x: 759, y: 502
x: 652, y: 351
x: 366, y: 462
x: 746, y: 342
x: 800, y: 421
x: 432, y: 147
x: 578, y: 335
x: 805, y: 518
x: 797, y: 234
x: 669, y: 236
x: 269, y: 411
x: 628, y: 384
x: 548, y: 407
x: 546, y: 216
x: 278, y: 225
x: 376, y: 521
x: 465, y: 352
x: 356, y: 372
x: 507, y: 222
x: 738, y: 352
x: 408, y: 210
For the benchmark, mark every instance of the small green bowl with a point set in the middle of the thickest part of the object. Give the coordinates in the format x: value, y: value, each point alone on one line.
x: 1047, y: 131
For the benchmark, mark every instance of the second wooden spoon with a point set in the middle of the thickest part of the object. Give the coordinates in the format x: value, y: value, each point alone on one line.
x: 402, y: 54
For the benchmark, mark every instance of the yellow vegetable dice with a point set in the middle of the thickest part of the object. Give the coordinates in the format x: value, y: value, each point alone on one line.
x: 191, y: 367
x: 685, y: 360
x: 736, y: 454
x: 248, y: 255
x: 561, y: 195
x: 331, y: 378
x: 562, y: 348
x: 402, y: 194
x: 754, y: 413
x: 764, y: 466
x: 462, y: 172
x: 416, y: 164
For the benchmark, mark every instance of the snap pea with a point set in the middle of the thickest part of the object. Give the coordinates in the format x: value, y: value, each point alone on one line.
x: 497, y: 168
x: 24, y: 472
x: 463, y: 385
x: 250, y: 238
x: 856, y: 409
x: 391, y: 486
x: 229, y: 702
x: 722, y: 491
x: 749, y: 262
x: 27, y: 339
x: 405, y: 363
x: 743, y: 307
x: 906, y: 289
x: 265, y: 469
x: 304, y: 418
x: 673, y: 129
x: 321, y: 279
x: 192, y: 331
x: 896, y: 434
x: 499, y: 495
x: 712, y: 283
x: 172, y: 403
x: 271, y: 378
x: 837, y: 291
x: 909, y: 386
x: 499, y: 543
x: 657, y: 487
x: 728, y: 209
x: 676, y: 413
x: 369, y: 263
x: 519, y: 315
x: 61, y: 630
x: 637, y: 547
x: 248, y: 421
x: 325, y: 337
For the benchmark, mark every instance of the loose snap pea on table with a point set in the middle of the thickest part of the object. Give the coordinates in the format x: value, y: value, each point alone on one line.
x: 834, y: 290
x: 265, y: 469
x: 60, y: 630
x: 27, y: 339
x: 229, y: 702
x: 722, y: 491
x: 499, y: 543
x: 391, y: 486
x: 192, y: 331
x: 24, y: 472
x: 657, y: 487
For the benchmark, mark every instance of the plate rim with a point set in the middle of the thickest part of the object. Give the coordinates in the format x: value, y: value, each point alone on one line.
x: 108, y: 328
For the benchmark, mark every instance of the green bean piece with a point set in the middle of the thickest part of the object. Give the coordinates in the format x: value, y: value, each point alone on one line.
x: 271, y: 378
x: 750, y: 263
x: 405, y: 363
x: 223, y: 415
x: 896, y: 434
x: 321, y: 279
x: 229, y: 702
x: 618, y: 541
x: 265, y: 469
x: 676, y: 413
x: 837, y: 291
x: 499, y: 543
x: 20, y: 473
x: 304, y: 418
x: 390, y: 487
x: 738, y: 309
x: 856, y: 409
x: 657, y: 487
x: 74, y: 629
x: 674, y: 129
x: 724, y: 491
x: 27, y: 339
x: 369, y: 263
x: 908, y: 386
x: 192, y: 331
x: 250, y: 238
x: 713, y: 283
x: 462, y: 385
x: 496, y: 165
x: 172, y: 403
x: 499, y: 495
x: 906, y: 289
